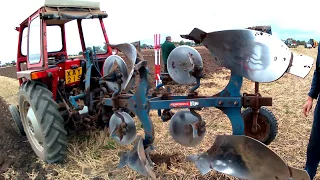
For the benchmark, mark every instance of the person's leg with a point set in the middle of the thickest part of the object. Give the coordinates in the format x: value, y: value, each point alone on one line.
x: 165, y: 68
x: 313, y: 150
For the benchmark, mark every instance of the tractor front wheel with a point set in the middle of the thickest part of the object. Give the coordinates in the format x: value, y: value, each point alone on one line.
x: 16, y: 118
x: 42, y: 122
x: 267, y: 125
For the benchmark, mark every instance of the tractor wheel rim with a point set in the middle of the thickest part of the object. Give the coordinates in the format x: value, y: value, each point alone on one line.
x: 33, y: 127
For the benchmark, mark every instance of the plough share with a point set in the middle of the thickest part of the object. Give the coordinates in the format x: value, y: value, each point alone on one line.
x: 252, y: 54
x: 104, y: 96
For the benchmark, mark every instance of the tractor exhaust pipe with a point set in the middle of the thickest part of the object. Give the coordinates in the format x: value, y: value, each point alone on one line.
x: 245, y: 158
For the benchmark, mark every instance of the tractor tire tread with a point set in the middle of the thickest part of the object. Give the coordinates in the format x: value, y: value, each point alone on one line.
x: 47, y: 129
x: 272, y: 120
x: 16, y: 117
x: 51, y: 122
x: 273, y: 123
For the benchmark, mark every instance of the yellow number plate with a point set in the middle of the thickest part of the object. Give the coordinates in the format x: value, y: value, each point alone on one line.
x: 73, y: 75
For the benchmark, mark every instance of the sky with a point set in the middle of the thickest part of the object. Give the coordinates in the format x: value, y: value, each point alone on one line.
x: 130, y: 21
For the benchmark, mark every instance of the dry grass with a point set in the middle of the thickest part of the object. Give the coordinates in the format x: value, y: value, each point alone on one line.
x: 97, y: 155
x: 9, y: 89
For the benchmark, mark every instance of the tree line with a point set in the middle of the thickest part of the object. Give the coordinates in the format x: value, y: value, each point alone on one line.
x: 301, y: 42
x: 176, y: 43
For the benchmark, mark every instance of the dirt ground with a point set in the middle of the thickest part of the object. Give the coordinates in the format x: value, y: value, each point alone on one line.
x: 9, y: 72
x: 95, y: 156
x: 15, y: 151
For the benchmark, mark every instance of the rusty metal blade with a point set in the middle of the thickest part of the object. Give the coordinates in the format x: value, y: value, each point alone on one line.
x: 197, y: 35
x: 298, y: 174
x: 181, y: 61
x: 110, y: 72
x: 242, y: 157
x: 123, y: 159
x: 130, y: 51
x: 114, y: 66
x: 136, y: 159
x: 182, y: 131
x: 255, y: 55
x: 115, y: 132
x: 115, y: 129
x: 112, y: 62
x: 301, y: 65
x: 136, y: 44
x: 131, y: 81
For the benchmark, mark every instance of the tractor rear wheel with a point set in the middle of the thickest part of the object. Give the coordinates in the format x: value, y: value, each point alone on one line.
x: 42, y: 122
x: 267, y: 125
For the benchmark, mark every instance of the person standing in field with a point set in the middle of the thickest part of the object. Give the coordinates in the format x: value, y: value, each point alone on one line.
x: 313, y: 150
x: 166, y: 49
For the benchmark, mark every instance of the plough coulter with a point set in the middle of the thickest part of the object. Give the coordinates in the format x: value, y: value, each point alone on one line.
x: 61, y: 94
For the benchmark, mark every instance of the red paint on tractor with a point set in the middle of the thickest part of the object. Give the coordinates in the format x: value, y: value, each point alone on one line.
x: 67, y: 65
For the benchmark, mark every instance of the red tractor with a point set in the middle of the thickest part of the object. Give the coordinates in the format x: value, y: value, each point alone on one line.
x: 51, y: 81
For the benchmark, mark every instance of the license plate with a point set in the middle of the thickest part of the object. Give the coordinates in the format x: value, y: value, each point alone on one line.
x: 73, y: 75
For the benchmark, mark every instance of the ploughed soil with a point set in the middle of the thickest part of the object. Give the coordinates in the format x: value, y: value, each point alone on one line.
x: 10, y: 72
x: 16, y: 151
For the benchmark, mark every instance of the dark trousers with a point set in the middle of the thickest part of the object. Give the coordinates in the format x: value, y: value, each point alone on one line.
x: 313, y: 150
x: 165, y: 68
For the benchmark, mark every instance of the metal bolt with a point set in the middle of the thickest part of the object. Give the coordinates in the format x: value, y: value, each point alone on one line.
x: 235, y: 103
x: 220, y: 102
